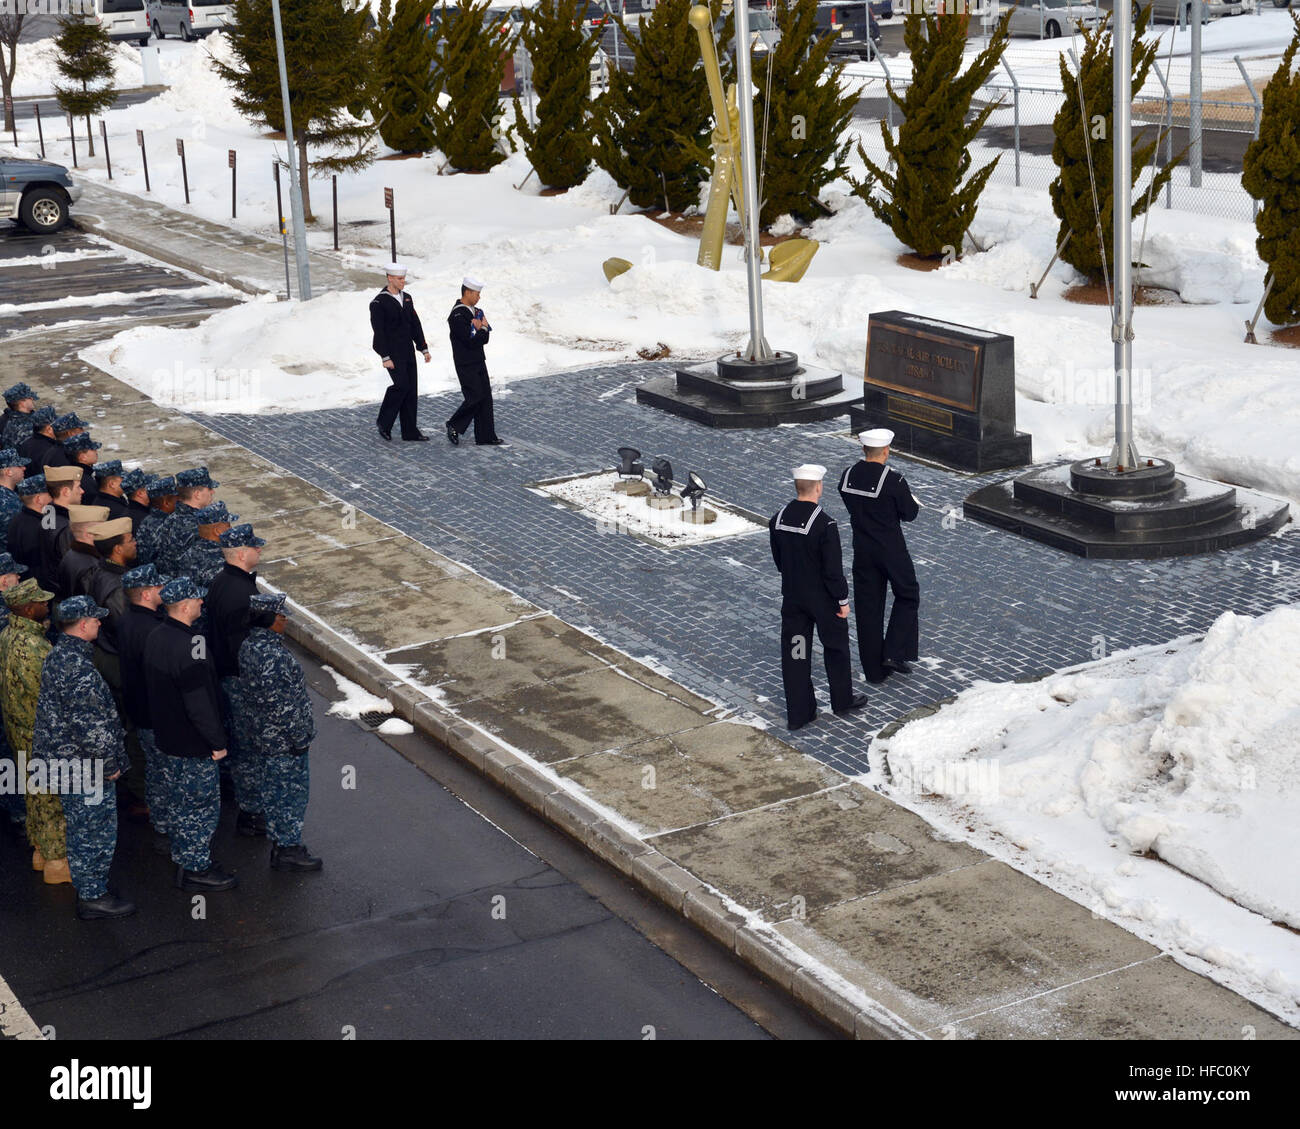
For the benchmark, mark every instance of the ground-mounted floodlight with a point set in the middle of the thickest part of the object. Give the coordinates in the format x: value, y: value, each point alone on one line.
x: 663, y: 497
x: 693, y: 492
x: 631, y: 473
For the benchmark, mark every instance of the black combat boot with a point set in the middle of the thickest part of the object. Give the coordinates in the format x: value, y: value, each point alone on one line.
x: 109, y: 905
x: 297, y: 857
x: 205, y: 881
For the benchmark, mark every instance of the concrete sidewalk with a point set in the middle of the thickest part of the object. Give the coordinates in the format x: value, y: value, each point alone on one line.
x: 223, y: 254
x: 852, y: 903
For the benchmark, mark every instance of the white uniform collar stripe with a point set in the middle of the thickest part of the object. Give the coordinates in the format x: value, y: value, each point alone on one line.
x: 874, y: 493
x: 796, y: 528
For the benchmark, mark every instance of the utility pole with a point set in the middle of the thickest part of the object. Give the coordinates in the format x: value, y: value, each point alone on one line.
x: 295, y: 187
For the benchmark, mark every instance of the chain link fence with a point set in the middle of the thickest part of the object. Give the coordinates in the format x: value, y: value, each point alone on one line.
x: 1018, y: 132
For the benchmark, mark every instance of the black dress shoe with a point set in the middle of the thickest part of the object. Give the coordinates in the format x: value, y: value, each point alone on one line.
x: 297, y: 857
x: 792, y: 728
x: 212, y: 879
x: 877, y: 681
x: 897, y: 665
x: 453, y: 436
x: 384, y: 432
x: 418, y: 437
x: 497, y: 442
x: 110, y: 905
x: 251, y: 823
x: 859, y: 700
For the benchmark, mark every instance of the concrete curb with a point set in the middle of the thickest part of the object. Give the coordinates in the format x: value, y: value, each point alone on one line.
x: 632, y: 857
x: 92, y: 224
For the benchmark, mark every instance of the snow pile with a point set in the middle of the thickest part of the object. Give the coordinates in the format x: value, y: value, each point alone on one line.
x: 1188, y: 754
x: 36, y: 72
x: 356, y: 700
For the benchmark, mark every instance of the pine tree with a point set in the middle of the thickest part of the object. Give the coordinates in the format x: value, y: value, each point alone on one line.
x: 926, y: 205
x: 800, y: 114
x: 560, y: 51
x: 1271, y: 174
x: 85, y: 57
x: 405, y: 94
x: 652, y: 125
x: 327, y: 60
x: 1077, y: 140
x: 468, y: 66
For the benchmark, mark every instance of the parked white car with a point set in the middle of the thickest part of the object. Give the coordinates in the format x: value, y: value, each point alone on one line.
x: 189, y: 19
x: 121, y: 19
x: 1047, y: 19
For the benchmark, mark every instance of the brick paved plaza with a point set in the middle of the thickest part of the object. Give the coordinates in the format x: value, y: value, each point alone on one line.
x: 994, y: 606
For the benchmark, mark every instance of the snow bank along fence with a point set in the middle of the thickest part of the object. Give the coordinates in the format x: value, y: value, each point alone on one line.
x: 1020, y: 128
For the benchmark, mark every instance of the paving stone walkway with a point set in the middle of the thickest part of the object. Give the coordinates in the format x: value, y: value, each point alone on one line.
x: 994, y: 606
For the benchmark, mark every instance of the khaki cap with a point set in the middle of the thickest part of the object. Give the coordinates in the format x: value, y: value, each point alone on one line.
x: 56, y: 474
x: 81, y: 515
x: 106, y: 529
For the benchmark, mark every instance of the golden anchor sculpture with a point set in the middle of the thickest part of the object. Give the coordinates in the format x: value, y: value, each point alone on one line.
x: 787, y: 260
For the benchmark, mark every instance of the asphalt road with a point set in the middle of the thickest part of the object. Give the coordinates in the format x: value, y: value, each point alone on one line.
x: 430, y: 920
x: 53, y: 279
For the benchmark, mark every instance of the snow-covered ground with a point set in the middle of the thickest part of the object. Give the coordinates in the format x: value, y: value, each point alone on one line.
x: 1146, y: 785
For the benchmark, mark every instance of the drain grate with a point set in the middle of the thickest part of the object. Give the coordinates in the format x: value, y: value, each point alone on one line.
x: 373, y: 719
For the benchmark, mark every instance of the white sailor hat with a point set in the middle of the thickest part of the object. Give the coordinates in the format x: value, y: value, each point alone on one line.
x: 809, y: 472
x: 471, y: 283
x: 397, y: 269
x: 876, y: 437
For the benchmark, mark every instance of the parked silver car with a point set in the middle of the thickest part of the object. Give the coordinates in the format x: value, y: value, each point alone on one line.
x: 1047, y: 19
x: 1180, y: 11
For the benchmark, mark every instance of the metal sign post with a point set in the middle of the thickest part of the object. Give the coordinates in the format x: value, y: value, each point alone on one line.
x: 230, y: 160
x: 144, y: 157
x: 334, y: 193
x: 72, y: 133
x: 40, y: 130
x: 392, y: 222
x: 103, y: 133
x: 185, y: 176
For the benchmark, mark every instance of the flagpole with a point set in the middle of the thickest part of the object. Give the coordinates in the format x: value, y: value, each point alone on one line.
x: 1124, y: 454
x: 758, y: 350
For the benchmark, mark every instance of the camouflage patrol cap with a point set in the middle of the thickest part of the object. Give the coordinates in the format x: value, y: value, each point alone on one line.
x: 143, y: 576
x: 10, y: 457
x: 215, y: 514
x: 20, y: 391
x: 78, y: 607
x: 82, y: 442
x: 196, y: 476
x: 133, y: 480
x: 162, y: 486
x: 26, y: 591
x: 56, y: 474
x: 8, y: 564
x: 68, y: 421
x: 32, y: 484
x: 86, y: 515
x: 110, y: 469
x: 273, y: 602
x: 240, y: 537
x: 44, y: 414
x: 180, y: 588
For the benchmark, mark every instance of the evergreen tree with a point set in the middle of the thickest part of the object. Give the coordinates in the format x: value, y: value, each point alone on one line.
x: 1076, y: 139
x: 652, y: 125
x: 560, y: 51
x: 1271, y: 174
x: 469, y: 65
x: 405, y: 94
x: 925, y: 203
x: 85, y: 57
x: 327, y: 61
x: 800, y: 114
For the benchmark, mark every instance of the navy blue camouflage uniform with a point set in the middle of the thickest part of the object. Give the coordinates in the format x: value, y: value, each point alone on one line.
x: 273, y: 714
x: 76, y: 719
